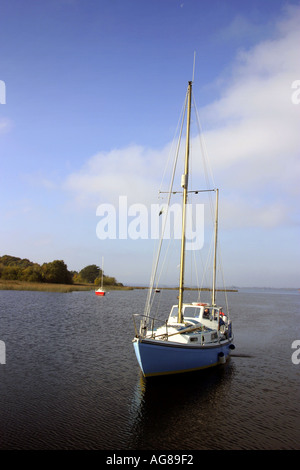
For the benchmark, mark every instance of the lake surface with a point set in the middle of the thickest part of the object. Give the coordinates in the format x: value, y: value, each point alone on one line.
x: 71, y: 379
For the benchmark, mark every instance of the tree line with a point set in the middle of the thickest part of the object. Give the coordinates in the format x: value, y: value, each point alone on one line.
x: 14, y: 268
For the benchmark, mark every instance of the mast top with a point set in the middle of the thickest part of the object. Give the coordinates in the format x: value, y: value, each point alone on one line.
x: 194, y: 65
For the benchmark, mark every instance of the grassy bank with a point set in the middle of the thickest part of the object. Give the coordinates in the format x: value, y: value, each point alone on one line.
x: 47, y: 287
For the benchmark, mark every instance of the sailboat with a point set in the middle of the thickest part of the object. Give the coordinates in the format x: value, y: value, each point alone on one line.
x: 196, y: 335
x: 101, y: 292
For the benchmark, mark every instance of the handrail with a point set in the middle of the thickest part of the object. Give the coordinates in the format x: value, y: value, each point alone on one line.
x: 141, y: 332
x: 143, y: 327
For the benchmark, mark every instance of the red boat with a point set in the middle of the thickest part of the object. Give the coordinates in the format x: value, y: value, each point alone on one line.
x: 100, y: 292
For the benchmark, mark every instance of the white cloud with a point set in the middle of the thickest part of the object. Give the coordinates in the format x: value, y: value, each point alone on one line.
x: 133, y: 171
x: 252, y: 138
x: 253, y: 133
x: 244, y: 213
x: 241, y: 28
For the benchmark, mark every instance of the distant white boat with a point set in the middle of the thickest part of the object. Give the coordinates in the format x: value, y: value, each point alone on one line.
x: 101, y: 291
x: 196, y: 335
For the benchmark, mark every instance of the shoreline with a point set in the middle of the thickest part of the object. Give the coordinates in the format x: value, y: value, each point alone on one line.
x: 52, y: 287
x: 65, y: 288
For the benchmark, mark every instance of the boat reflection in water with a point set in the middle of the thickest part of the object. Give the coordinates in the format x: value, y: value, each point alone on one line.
x: 181, y: 413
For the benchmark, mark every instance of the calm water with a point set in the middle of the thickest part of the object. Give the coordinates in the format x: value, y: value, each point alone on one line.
x: 71, y: 380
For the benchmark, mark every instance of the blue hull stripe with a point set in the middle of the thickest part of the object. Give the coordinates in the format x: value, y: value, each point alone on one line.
x: 157, y: 358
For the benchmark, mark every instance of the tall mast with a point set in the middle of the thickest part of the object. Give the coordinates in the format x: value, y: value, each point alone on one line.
x: 102, y: 274
x: 213, y: 299
x: 184, y: 185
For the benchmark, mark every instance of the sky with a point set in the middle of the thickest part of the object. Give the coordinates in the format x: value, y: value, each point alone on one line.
x: 90, y: 96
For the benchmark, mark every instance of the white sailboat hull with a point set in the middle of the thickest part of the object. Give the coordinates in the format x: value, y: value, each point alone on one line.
x: 166, y: 357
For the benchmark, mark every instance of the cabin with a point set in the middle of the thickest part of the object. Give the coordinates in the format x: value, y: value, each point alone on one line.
x: 195, y: 313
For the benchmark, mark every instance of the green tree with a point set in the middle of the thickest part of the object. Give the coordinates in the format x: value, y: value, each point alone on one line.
x: 8, y: 260
x: 32, y: 274
x: 90, y: 273
x: 56, y: 272
x: 13, y: 268
x: 109, y: 281
x: 77, y: 279
x: 11, y: 273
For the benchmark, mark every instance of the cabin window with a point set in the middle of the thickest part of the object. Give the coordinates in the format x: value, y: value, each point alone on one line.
x: 174, y: 312
x: 206, y: 313
x: 215, y: 313
x: 211, y: 313
x: 191, y: 312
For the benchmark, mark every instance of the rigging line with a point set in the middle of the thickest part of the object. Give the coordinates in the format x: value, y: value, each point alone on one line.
x: 195, y: 265
x: 171, y: 152
x: 203, y: 145
x: 204, y: 265
x: 166, y: 259
x: 147, y: 306
x: 158, y: 304
x: 208, y: 184
x: 208, y: 175
x: 223, y: 280
x: 159, y: 275
x: 194, y: 191
x: 204, y: 279
x: 207, y: 169
x: 208, y: 260
x: 193, y: 224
